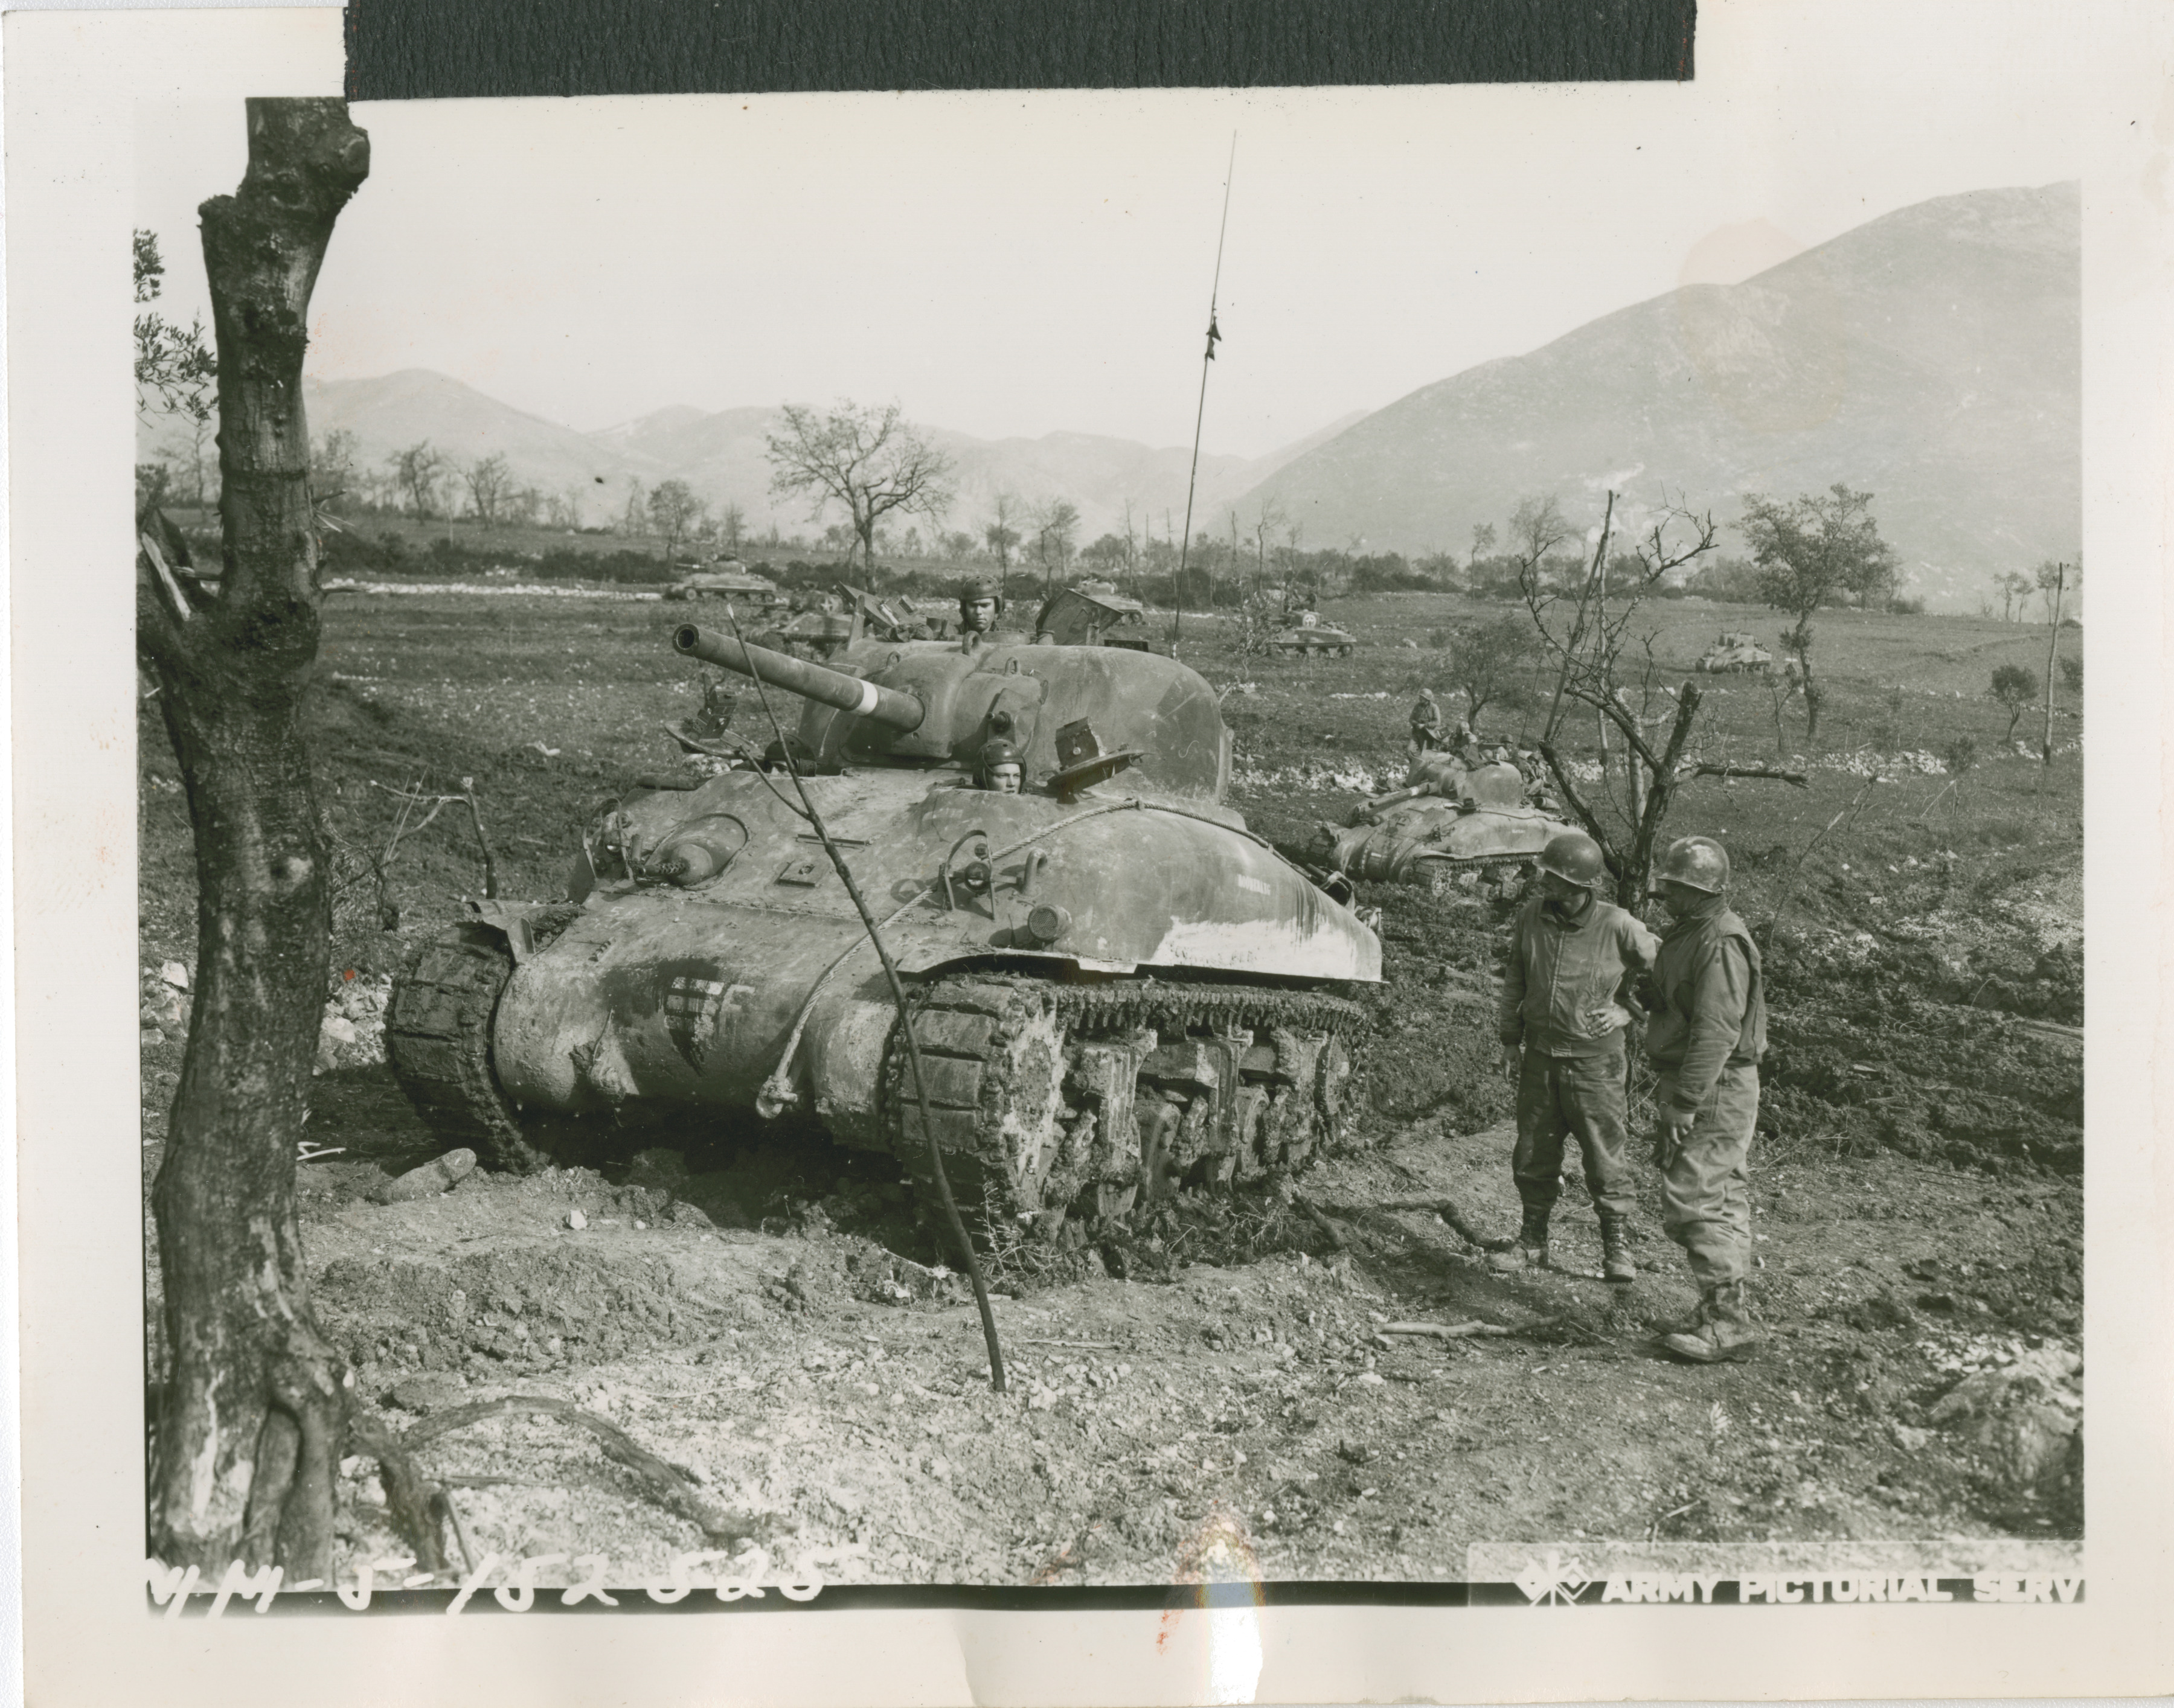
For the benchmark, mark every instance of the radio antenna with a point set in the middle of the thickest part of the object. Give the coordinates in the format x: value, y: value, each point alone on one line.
x: 1215, y: 335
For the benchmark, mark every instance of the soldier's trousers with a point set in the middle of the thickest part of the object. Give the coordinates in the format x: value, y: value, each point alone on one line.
x: 1561, y: 1096
x: 1706, y: 1198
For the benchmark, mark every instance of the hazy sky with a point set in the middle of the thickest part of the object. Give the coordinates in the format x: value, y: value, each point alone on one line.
x: 1009, y: 264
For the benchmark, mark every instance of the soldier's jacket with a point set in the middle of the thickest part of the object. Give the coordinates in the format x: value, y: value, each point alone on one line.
x: 1712, y: 1012
x: 1561, y: 987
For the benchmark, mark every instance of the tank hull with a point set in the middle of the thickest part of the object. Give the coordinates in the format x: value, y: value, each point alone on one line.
x: 690, y: 995
x: 1114, y: 985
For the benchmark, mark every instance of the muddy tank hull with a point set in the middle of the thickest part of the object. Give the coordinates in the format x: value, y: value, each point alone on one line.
x: 1456, y: 831
x: 1116, y: 989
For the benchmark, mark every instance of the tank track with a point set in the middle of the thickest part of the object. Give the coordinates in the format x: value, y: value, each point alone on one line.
x: 1059, y: 1106
x: 1500, y: 878
x: 437, y: 1035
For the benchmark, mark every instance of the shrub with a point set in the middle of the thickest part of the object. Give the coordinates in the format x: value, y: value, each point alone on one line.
x: 2014, y: 688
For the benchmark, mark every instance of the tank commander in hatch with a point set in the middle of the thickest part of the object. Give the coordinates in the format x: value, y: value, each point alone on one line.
x: 1002, y: 770
x: 981, y: 603
x: 1562, y: 1022
x: 1704, y: 1039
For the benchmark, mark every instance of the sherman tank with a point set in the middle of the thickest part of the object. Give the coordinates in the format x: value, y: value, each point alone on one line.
x: 1116, y: 989
x: 1457, y: 829
x: 1734, y: 653
x: 1309, y: 638
x: 820, y: 634
x: 727, y: 580
x: 1095, y: 614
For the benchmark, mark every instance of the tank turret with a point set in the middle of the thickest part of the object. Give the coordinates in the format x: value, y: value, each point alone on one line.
x: 1116, y: 989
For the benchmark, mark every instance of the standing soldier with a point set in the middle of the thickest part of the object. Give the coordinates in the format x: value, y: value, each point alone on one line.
x: 1705, y: 1039
x: 1562, y: 1022
x: 1427, y: 723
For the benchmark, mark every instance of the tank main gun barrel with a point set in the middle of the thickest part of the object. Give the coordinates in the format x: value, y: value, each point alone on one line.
x: 886, y: 705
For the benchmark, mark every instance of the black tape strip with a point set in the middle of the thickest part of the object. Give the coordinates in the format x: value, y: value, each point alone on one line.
x: 414, y: 49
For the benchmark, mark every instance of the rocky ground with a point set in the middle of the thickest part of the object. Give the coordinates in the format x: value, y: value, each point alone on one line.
x: 764, y: 1309
x: 770, y: 1315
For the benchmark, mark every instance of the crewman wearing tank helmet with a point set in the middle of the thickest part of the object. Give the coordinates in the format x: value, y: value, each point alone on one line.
x: 1706, y: 1038
x: 1563, y: 1022
x: 1002, y: 768
x: 981, y: 603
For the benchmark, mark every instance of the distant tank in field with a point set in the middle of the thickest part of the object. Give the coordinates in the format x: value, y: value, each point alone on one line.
x: 1116, y: 989
x: 1734, y: 653
x: 1095, y: 614
x: 1451, y: 827
x: 729, y: 579
x: 1309, y: 637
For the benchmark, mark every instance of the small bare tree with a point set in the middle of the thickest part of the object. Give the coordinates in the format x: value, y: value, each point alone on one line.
x: 1587, y: 642
x: 674, y: 512
x: 873, y: 461
x: 1809, y: 552
x: 2014, y: 687
x: 490, y: 481
x: 417, y: 471
x: 1489, y: 662
x: 1000, y: 535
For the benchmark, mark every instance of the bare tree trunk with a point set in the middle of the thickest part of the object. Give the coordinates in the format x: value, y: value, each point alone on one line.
x: 2053, y: 646
x: 251, y: 1416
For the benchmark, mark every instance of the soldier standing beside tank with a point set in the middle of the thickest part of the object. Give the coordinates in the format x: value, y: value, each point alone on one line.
x: 1705, y: 1039
x: 1562, y: 1023
x: 1427, y: 723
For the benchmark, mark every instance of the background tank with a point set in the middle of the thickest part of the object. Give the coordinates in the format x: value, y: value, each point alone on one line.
x: 1734, y: 652
x: 1117, y: 988
x: 1095, y: 614
x: 1310, y: 637
x: 1449, y: 828
x: 728, y: 580
x: 823, y: 633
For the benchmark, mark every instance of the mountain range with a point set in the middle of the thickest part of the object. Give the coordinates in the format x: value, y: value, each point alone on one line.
x: 1931, y: 356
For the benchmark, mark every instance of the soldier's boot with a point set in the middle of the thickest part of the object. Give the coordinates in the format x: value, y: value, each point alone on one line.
x: 1529, y: 1250
x: 1727, y: 1332
x: 1617, y: 1264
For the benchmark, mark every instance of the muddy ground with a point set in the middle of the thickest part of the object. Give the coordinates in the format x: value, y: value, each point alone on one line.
x: 756, y: 1307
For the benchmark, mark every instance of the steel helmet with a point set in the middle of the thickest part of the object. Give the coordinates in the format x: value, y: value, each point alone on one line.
x: 1574, y: 857
x: 1698, y: 862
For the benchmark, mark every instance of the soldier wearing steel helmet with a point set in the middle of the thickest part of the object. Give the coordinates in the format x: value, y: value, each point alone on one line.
x: 1706, y: 1038
x: 1562, y: 1023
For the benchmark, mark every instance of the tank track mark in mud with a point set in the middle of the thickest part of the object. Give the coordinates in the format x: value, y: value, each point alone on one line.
x: 1060, y: 1105
x: 437, y: 1035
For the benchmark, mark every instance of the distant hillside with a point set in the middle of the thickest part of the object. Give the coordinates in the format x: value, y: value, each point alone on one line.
x: 1932, y: 357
